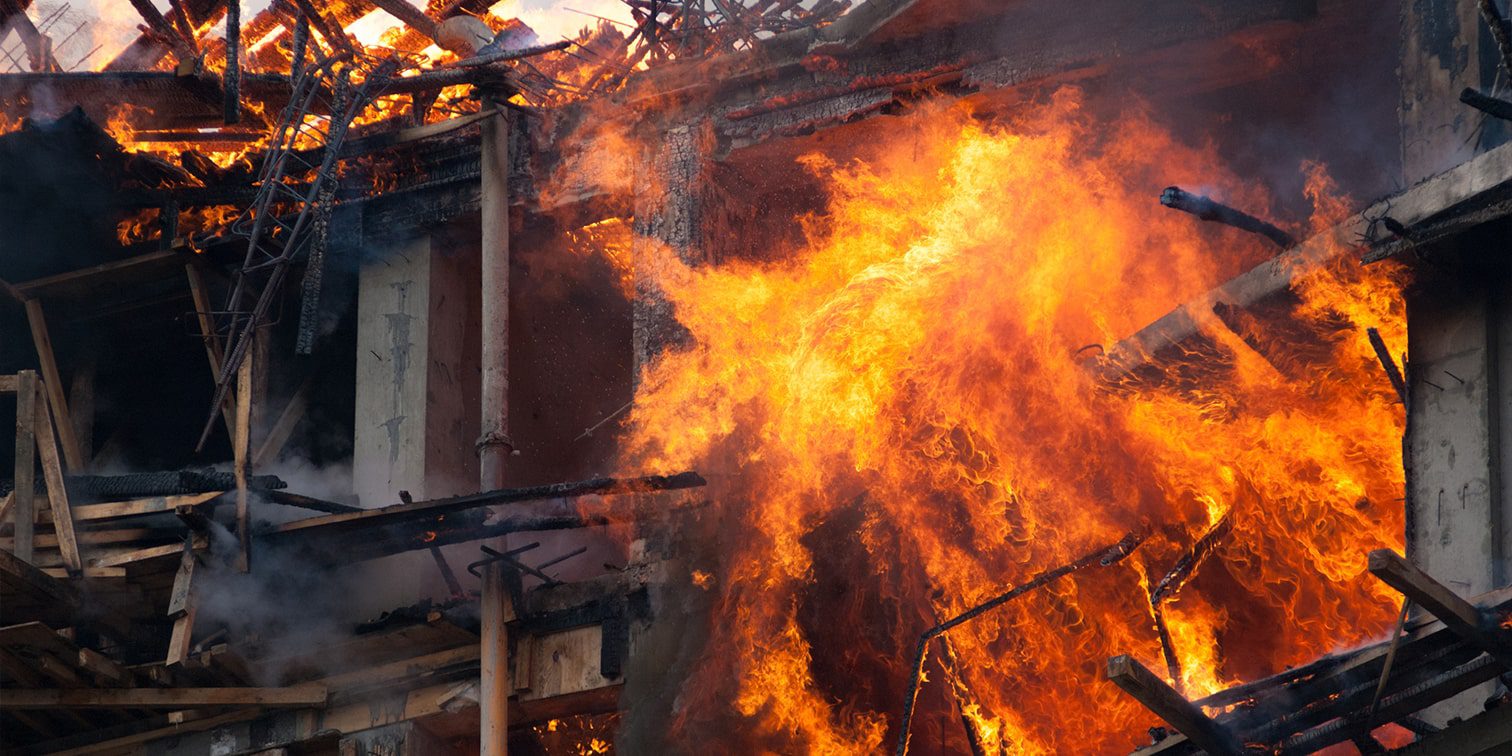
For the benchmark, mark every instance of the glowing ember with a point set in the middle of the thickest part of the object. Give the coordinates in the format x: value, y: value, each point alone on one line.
x: 907, y: 424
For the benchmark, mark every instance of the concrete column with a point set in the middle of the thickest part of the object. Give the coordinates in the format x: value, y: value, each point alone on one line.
x: 1445, y: 48
x: 1460, y: 336
x: 416, y: 384
x: 671, y: 189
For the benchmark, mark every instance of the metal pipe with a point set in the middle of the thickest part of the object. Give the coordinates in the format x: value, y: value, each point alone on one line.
x: 494, y: 684
x: 494, y: 444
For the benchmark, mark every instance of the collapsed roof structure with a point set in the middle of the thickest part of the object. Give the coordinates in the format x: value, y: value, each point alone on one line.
x: 303, y: 333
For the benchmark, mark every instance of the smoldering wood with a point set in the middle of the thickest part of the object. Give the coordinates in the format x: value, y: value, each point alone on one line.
x: 1165, y: 702
x: 1207, y: 209
x: 1459, y: 615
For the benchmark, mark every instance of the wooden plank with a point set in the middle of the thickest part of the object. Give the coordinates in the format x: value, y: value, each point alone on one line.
x: 7, y: 384
x: 198, y: 542
x: 199, y: 292
x: 103, y: 667
x: 84, y: 279
x: 25, y: 578
x: 149, y: 505
x: 6, y: 503
x: 26, y: 462
x: 91, y: 573
x: 54, y: 383
x: 1170, y: 706
x: 418, y: 667
x: 294, y: 697
x: 287, y: 421
x: 97, y: 537
x: 181, y: 609
x: 241, y: 448
x: 17, y: 672
x: 57, y: 491
x: 1460, y: 616
x: 121, y: 738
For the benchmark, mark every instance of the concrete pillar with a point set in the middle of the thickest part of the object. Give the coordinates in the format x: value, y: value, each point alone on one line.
x: 671, y: 189
x: 1460, y: 355
x: 1445, y: 48
x: 416, y: 386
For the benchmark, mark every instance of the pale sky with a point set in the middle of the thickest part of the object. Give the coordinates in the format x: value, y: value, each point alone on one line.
x: 111, y: 24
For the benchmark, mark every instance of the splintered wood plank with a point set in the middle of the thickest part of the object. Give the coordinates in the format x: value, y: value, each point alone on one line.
x: 1459, y: 615
x: 296, y: 697
x: 1171, y: 706
x: 57, y: 492
x: 198, y: 542
x: 26, y: 462
x: 54, y: 383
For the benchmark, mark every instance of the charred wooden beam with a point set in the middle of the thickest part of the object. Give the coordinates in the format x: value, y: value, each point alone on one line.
x: 1492, y: 106
x: 182, y: 49
x: 332, y: 32
x: 412, y: 17
x: 1170, y: 706
x: 421, y: 510
x: 232, y: 77
x: 295, y: 697
x: 1207, y: 209
x: 1460, y: 616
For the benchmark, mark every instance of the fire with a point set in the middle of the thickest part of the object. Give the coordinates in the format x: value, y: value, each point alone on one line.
x: 908, y: 423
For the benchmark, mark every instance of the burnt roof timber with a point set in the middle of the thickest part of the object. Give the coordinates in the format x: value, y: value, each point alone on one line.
x: 147, y: 49
x: 1485, y: 174
x: 1028, y: 40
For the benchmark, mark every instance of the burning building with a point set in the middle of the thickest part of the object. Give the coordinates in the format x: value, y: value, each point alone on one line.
x: 756, y: 376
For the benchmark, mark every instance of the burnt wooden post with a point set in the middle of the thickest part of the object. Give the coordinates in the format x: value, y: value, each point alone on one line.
x: 670, y: 194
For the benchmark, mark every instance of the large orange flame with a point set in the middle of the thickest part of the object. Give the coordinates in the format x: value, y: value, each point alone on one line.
x: 906, y: 424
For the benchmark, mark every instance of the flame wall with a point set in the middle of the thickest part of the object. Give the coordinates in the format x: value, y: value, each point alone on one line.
x: 901, y: 424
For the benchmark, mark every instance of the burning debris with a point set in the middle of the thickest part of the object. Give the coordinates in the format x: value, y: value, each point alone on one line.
x: 885, y: 272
